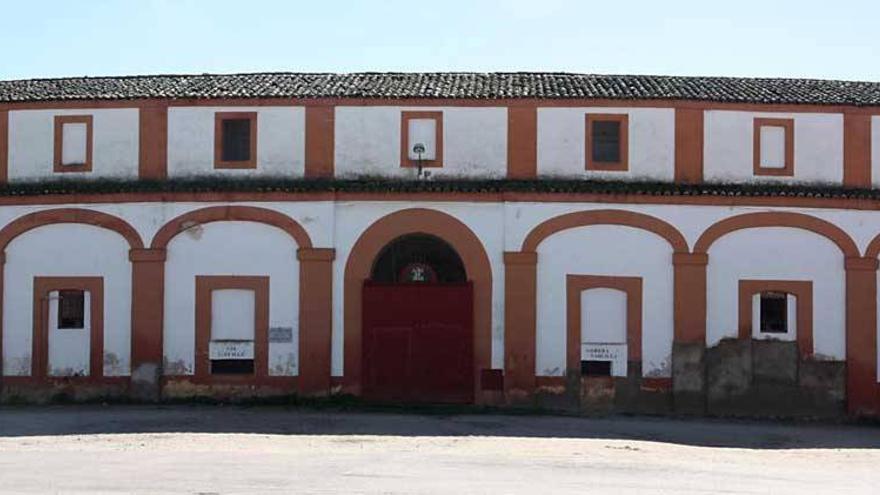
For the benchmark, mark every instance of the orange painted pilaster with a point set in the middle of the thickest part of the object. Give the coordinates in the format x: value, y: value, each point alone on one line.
x: 315, y: 319
x: 2, y: 279
x: 4, y: 146
x: 522, y: 142
x: 153, y: 154
x: 862, y: 391
x: 320, y: 139
x: 856, y: 150
x: 689, y: 294
x: 688, y: 145
x: 147, y: 312
x: 520, y: 310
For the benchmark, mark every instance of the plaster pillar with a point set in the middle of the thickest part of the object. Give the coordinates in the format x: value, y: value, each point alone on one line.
x: 689, y: 296
x: 862, y: 391
x: 689, y: 341
x: 147, y: 311
x: 520, y: 310
x: 315, y: 319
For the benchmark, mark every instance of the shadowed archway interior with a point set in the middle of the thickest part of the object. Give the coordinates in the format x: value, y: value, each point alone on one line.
x: 418, y: 250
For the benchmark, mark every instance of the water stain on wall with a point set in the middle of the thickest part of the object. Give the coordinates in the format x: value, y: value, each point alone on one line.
x: 68, y: 372
x: 193, y: 230
x: 284, y: 366
x: 113, y: 365
x: 18, y: 366
x: 661, y: 370
x: 178, y: 367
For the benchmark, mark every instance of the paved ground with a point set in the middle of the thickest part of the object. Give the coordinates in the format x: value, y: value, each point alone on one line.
x: 212, y: 449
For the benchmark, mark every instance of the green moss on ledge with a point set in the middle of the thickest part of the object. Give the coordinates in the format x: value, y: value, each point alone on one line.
x: 393, y: 186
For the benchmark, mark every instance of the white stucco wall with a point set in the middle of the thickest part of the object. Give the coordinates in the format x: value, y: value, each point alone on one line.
x: 562, y: 143
x: 612, y: 251
x: 368, y: 141
x: 729, y: 143
x: 230, y: 248
x: 280, y: 141
x: 778, y: 253
x: 500, y: 226
x: 67, y: 250
x: 32, y: 143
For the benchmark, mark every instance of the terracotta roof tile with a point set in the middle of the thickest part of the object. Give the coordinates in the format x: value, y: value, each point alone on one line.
x: 445, y: 85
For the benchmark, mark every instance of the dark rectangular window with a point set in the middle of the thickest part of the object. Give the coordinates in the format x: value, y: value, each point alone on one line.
x: 71, y: 309
x: 606, y: 141
x: 596, y: 368
x: 232, y: 366
x: 774, y: 312
x: 236, y: 140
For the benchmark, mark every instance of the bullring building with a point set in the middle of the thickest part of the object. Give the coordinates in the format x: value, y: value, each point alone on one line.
x: 591, y: 242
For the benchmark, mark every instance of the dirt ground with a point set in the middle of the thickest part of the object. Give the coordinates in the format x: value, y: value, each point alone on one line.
x: 214, y: 449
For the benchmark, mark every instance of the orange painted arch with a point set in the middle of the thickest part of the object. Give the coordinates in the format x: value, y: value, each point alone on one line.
x: 873, y: 249
x: 777, y: 219
x: 360, y: 264
x: 605, y: 217
x: 69, y: 215
x: 231, y: 213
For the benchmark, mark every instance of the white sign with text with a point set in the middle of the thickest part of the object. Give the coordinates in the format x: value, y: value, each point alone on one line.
x: 231, y: 349
x: 616, y: 353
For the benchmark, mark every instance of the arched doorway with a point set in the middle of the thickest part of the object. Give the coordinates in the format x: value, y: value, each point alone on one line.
x: 418, y: 323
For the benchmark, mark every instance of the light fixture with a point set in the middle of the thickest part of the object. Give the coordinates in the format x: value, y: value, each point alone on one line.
x: 419, y: 149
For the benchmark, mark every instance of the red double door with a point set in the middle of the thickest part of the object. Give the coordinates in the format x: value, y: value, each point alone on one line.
x: 418, y: 342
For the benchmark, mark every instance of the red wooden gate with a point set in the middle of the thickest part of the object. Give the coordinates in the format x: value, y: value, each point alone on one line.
x: 418, y: 342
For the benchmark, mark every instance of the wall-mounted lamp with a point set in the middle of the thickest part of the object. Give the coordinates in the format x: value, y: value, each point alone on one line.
x: 419, y: 150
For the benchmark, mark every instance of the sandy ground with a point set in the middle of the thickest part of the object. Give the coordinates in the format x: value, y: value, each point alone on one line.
x: 278, y: 450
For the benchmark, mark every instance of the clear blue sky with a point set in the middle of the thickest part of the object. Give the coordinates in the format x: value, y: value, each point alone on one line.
x: 805, y: 38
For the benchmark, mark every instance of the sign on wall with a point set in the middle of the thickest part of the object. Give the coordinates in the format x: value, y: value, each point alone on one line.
x: 615, y: 353
x: 280, y: 334
x: 231, y: 349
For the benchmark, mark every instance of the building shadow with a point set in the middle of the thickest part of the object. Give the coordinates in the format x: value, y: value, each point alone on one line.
x: 56, y: 420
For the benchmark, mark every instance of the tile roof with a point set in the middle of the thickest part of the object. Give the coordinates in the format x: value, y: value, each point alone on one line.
x: 445, y: 85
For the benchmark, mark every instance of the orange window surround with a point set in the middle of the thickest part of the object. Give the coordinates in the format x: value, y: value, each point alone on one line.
x: 405, y: 145
x: 788, y: 128
x: 60, y: 122
x: 801, y: 289
x: 594, y: 122
x: 205, y: 285
x: 221, y: 120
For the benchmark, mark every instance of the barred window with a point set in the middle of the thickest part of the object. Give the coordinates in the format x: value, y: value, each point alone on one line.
x: 71, y: 309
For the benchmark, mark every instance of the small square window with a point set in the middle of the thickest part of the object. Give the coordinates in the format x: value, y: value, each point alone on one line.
x: 595, y: 368
x: 235, y: 140
x: 71, y: 309
x: 780, y: 310
x: 774, y: 312
x: 607, y: 142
